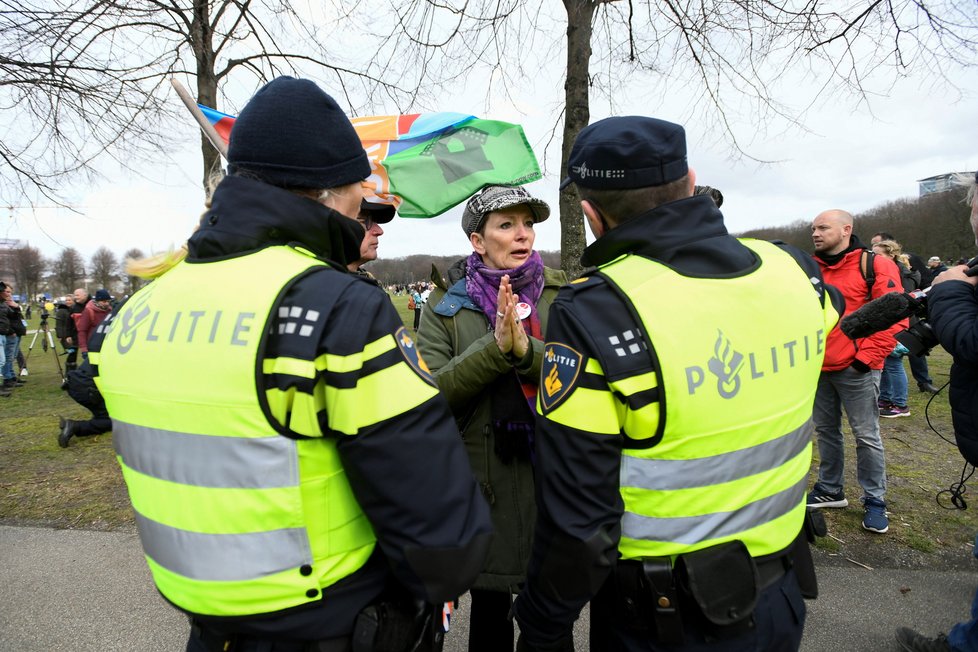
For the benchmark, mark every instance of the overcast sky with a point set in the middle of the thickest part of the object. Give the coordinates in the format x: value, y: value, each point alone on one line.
x: 846, y: 158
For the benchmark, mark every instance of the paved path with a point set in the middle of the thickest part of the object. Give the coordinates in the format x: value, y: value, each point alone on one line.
x: 82, y: 591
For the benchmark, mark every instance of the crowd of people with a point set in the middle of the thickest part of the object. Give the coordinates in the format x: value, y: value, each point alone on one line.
x: 330, y: 479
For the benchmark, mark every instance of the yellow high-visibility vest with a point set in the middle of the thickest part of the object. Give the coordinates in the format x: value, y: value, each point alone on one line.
x: 738, y: 361
x: 235, y: 519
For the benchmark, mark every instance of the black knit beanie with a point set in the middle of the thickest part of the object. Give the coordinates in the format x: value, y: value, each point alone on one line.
x: 293, y: 135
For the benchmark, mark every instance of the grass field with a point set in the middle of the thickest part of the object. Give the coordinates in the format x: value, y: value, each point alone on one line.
x: 81, y: 486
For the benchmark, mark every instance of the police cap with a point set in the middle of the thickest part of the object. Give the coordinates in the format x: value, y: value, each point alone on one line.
x: 627, y: 152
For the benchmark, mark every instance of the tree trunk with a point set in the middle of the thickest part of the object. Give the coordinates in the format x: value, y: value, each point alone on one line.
x: 577, y: 114
x: 201, y: 38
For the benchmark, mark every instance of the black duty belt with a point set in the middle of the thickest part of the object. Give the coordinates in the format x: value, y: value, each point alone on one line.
x: 215, y: 641
x: 770, y: 571
x: 656, y: 593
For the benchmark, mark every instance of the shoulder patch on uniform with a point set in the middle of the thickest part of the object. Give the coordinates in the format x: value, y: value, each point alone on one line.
x: 410, y: 352
x: 561, y: 369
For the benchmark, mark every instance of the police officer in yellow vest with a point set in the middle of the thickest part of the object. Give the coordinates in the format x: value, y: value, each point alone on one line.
x: 674, y: 434
x: 292, y: 466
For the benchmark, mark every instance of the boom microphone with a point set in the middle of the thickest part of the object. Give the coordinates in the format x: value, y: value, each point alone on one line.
x: 879, y: 314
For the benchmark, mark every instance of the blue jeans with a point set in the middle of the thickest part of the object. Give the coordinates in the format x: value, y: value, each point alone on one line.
x: 893, y: 382
x: 963, y: 637
x: 10, y: 353
x: 918, y: 367
x: 3, y: 352
x: 858, y: 393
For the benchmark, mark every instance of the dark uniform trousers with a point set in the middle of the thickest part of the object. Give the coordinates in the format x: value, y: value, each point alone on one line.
x: 779, y: 619
x: 82, y: 388
x: 205, y: 640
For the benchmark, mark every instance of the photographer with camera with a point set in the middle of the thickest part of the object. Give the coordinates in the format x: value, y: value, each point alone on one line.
x: 953, y: 311
x: 75, y: 303
x: 62, y: 315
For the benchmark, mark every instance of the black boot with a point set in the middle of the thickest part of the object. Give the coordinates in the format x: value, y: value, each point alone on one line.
x: 67, y: 431
x: 9, y: 383
x: 927, y: 387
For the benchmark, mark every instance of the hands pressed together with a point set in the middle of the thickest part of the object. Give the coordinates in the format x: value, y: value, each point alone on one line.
x: 510, y: 336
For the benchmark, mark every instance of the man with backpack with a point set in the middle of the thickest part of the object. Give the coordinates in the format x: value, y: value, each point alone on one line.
x: 851, y: 369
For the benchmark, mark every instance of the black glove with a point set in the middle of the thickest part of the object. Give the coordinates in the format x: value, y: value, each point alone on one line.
x: 860, y: 366
x: 565, y: 644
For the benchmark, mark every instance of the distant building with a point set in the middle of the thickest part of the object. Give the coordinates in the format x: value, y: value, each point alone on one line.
x: 940, y: 183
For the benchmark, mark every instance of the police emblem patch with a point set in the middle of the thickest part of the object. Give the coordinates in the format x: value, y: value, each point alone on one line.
x: 561, y: 368
x: 410, y: 352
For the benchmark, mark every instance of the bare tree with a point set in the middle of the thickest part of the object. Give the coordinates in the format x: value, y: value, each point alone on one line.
x: 933, y: 225
x: 87, y: 78
x: 28, y: 270
x: 725, y: 58
x: 67, y: 271
x: 104, y: 269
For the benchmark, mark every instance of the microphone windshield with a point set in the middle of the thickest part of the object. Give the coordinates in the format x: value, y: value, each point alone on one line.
x: 877, y: 315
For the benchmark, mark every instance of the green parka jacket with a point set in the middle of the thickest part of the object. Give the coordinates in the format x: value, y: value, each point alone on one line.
x: 459, y: 347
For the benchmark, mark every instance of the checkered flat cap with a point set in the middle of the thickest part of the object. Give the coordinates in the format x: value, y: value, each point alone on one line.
x: 494, y: 198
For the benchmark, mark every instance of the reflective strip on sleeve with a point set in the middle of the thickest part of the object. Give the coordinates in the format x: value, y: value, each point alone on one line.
x: 590, y: 410
x: 207, y: 460
x: 346, y: 363
x: 223, y: 557
x: 665, y: 475
x: 372, y: 402
x: 289, y: 366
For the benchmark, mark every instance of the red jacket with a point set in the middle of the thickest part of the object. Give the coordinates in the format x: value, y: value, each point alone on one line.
x: 840, y: 351
x: 87, y: 321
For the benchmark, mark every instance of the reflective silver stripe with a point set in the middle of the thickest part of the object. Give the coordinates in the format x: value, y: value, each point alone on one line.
x: 666, y: 475
x: 207, y: 461
x: 223, y: 557
x: 693, y: 529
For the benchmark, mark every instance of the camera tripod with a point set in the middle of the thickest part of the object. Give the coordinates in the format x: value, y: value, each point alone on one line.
x: 47, y: 342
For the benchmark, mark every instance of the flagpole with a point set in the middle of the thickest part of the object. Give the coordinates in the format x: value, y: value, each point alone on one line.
x: 205, y: 124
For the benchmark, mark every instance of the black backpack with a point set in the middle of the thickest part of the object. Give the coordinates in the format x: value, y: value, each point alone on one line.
x: 868, y: 267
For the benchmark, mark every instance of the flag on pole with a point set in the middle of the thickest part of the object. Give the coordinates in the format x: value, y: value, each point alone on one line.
x: 425, y: 163
x: 221, y: 122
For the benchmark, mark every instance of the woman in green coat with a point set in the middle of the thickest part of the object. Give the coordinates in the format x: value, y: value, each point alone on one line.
x: 482, y: 338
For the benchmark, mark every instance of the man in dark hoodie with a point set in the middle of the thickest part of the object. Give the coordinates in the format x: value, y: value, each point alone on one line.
x: 851, y: 371
x: 289, y: 458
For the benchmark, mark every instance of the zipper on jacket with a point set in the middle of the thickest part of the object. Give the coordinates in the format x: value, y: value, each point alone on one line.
x: 487, y: 491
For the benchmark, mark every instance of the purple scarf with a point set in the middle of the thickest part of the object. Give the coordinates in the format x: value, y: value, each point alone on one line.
x: 482, y: 283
